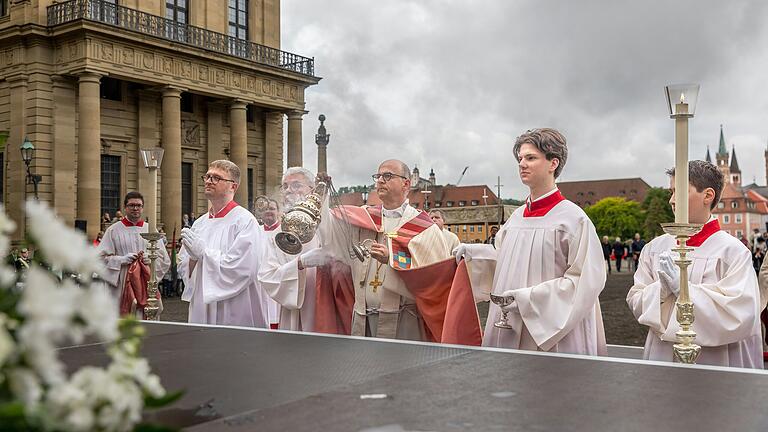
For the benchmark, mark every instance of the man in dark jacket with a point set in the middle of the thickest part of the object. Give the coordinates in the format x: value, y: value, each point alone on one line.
x: 618, y: 253
x: 607, y: 248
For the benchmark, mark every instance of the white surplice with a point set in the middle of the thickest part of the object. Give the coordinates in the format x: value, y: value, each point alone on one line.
x: 291, y: 288
x: 725, y: 295
x: 554, y: 265
x: 451, y: 240
x: 273, y: 307
x: 120, y: 240
x: 223, y: 287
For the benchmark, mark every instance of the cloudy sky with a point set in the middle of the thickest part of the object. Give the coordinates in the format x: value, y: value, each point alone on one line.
x: 447, y: 84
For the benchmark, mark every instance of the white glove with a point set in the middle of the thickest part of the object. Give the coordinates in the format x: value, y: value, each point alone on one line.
x: 315, y: 258
x: 669, y: 274
x: 512, y: 307
x: 462, y: 251
x: 193, y: 243
x: 127, y: 259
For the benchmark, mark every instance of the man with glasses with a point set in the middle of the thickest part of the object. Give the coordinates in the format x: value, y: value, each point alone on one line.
x: 399, y: 237
x: 220, y: 257
x: 290, y: 279
x: 122, y: 244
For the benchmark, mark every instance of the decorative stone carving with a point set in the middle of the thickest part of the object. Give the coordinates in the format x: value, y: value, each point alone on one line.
x: 203, y: 73
x: 148, y: 60
x: 190, y: 133
x: 168, y: 65
x: 107, y: 52
x: 220, y: 77
x: 128, y: 56
x: 186, y: 69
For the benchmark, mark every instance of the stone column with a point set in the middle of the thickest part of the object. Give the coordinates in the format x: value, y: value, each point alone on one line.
x: 15, y: 170
x: 64, y: 146
x: 89, y: 152
x: 238, y: 147
x: 170, y: 171
x: 273, y: 151
x: 214, y: 149
x: 294, y: 139
x: 147, y: 138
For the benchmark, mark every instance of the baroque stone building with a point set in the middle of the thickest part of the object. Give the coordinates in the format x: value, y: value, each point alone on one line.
x: 90, y: 82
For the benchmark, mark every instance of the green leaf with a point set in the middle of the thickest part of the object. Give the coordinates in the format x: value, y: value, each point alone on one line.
x: 12, y: 417
x: 151, y: 402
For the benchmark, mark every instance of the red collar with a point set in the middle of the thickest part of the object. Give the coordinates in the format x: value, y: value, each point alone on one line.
x: 272, y: 227
x: 707, y: 230
x: 128, y: 223
x: 541, y: 207
x: 223, y: 212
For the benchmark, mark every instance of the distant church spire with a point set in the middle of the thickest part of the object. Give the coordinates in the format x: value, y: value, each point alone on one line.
x: 708, y: 158
x: 721, y: 150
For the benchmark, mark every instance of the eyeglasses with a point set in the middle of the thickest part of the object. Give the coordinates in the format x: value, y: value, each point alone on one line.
x: 214, y: 178
x: 294, y: 186
x: 387, y: 176
x: 134, y: 205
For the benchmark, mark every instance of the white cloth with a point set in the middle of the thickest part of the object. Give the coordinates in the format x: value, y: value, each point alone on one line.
x: 222, y: 288
x: 290, y: 288
x: 273, y: 307
x: 725, y: 296
x: 554, y: 266
x: 118, y: 242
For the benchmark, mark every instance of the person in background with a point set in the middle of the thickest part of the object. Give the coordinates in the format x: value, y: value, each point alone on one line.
x: 607, y: 249
x: 618, y: 253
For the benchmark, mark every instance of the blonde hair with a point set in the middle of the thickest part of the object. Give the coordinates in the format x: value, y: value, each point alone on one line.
x: 227, y: 166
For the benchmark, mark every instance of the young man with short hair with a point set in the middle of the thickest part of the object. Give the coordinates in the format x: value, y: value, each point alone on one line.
x: 221, y: 257
x: 451, y: 239
x: 548, y: 258
x: 722, y: 284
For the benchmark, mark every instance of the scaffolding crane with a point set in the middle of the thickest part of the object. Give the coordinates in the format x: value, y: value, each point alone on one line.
x: 462, y: 175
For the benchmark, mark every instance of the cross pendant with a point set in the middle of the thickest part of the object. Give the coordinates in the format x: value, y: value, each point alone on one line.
x: 375, y: 283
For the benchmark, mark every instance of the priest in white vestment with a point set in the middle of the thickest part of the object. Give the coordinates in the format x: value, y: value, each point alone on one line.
x: 722, y: 285
x: 220, y: 257
x: 122, y: 244
x: 548, y: 257
x: 286, y: 282
x: 399, y: 237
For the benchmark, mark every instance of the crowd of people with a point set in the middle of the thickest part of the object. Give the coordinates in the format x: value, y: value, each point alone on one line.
x: 546, y: 261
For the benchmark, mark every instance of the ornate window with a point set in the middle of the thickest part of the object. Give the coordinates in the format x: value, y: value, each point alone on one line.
x: 110, y: 184
x: 238, y: 19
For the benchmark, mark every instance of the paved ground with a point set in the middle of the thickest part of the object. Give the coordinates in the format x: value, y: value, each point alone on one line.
x: 621, y: 328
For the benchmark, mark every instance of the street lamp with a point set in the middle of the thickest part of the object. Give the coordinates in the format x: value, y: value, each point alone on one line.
x: 365, y: 196
x: 152, y: 159
x: 681, y: 102
x: 28, y: 155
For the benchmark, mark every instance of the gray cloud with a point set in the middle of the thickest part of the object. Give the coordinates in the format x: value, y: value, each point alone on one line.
x: 445, y: 84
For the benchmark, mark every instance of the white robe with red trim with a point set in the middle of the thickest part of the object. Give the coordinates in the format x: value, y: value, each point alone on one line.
x: 554, y: 265
x: 222, y: 288
x: 725, y: 296
x: 273, y: 307
x: 392, y: 297
x: 120, y: 240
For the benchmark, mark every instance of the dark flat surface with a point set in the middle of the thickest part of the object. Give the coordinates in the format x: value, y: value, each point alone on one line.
x: 262, y: 380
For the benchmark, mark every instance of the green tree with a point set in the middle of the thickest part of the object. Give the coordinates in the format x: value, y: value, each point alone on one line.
x: 657, y: 211
x: 616, y: 217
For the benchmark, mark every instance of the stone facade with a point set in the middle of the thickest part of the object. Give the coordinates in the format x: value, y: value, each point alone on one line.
x: 193, y: 91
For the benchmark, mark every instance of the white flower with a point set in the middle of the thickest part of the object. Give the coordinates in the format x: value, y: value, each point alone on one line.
x: 99, y: 310
x: 26, y: 387
x: 7, y: 225
x: 62, y: 246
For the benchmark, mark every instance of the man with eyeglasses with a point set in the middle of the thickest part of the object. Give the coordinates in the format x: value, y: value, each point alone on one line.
x: 122, y: 244
x: 220, y: 257
x: 288, y: 279
x: 399, y: 237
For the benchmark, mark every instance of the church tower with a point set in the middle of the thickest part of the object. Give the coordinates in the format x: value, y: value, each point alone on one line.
x: 722, y: 158
x: 734, y: 169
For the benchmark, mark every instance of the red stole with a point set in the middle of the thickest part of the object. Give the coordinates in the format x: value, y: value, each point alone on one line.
x: 542, y: 206
x: 334, y: 299
x: 707, y: 230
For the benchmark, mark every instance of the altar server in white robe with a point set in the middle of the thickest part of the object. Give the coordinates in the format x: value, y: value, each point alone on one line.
x: 280, y: 276
x: 271, y: 219
x: 122, y: 244
x: 723, y: 285
x: 220, y: 257
x: 548, y: 257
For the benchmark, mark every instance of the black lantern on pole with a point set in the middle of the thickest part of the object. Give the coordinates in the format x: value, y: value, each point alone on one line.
x: 28, y: 155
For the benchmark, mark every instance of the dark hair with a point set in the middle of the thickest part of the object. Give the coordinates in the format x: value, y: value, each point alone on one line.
x: 133, y: 195
x: 703, y: 175
x: 548, y: 141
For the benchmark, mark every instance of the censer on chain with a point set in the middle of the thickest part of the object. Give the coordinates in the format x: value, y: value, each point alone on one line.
x: 299, y: 224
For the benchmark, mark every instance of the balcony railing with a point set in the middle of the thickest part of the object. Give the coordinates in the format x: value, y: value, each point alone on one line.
x: 131, y: 19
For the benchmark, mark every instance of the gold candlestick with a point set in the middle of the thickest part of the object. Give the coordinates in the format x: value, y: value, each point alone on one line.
x: 152, y: 309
